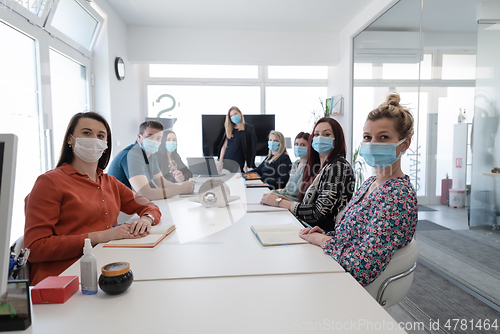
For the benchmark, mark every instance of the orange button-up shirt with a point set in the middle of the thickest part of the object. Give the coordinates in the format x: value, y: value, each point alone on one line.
x: 64, y: 207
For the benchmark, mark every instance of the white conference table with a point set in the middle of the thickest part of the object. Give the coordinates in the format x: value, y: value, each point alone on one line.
x: 220, y: 280
x: 218, y: 242
x: 295, y: 303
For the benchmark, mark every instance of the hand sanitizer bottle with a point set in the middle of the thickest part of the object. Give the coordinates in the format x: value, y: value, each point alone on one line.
x: 88, y: 270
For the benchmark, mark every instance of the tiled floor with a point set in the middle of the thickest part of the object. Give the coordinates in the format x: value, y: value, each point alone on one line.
x: 455, y: 219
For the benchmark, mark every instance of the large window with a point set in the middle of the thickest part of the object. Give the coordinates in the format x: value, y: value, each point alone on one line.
x: 185, y: 92
x: 19, y: 113
x: 193, y: 101
x: 69, y: 94
x: 43, y: 82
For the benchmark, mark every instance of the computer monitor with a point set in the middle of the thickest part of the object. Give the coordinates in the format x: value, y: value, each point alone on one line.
x: 8, y: 156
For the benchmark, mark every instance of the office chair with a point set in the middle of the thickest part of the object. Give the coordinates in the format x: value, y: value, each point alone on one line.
x: 24, y: 272
x: 396, y: 279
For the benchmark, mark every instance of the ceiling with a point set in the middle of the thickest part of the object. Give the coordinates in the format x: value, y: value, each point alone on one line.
x: 263, y: 15
x: 438, y: 16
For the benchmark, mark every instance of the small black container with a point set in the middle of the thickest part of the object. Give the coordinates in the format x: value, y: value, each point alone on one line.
x: 116, y: 278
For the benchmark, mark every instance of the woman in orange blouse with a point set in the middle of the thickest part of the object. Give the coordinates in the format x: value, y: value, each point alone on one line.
x: 76, y: 200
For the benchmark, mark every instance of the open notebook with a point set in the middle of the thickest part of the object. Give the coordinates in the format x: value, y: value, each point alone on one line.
x: 157, y: 234
x: 277, y: 235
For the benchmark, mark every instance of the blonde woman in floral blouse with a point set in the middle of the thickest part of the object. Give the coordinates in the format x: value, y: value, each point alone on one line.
x: 382, y: 216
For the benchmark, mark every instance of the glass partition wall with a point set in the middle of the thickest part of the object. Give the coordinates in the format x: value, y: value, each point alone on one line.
x: 485, y: 199
x: 427, y: 53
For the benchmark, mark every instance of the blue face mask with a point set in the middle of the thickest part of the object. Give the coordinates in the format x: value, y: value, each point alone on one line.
x: 170, y: 146
x: 273, y: 145
x: 236, y: 119
x: 300, y: 151
x: 150, y: 146
x: 323, y: 145
x: 380, y: 155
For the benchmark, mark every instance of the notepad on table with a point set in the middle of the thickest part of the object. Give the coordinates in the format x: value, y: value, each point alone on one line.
x: 251, y: 176
x: 257, y: 207
x: 257, y: 185
x: 157, y: 234
x: 277, y: 235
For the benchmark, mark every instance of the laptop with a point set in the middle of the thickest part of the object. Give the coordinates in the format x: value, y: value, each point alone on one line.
x: 204, y: 167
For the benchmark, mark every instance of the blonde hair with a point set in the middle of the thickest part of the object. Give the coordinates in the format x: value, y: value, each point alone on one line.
x: 403, y: 119
x: 282, y: 148
x: 229, y: 126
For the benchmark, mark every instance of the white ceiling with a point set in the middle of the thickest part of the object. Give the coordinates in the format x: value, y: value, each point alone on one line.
x: 295, y: 15
x: 263, y: 15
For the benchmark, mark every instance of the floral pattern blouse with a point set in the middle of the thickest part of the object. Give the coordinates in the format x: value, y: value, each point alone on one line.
x: 371, y: 229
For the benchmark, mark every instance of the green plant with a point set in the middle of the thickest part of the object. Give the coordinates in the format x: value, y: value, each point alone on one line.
x: 359, y: 169
x: 319, y: 113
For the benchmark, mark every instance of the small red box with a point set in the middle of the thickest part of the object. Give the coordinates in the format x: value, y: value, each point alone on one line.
x: 55, y: 289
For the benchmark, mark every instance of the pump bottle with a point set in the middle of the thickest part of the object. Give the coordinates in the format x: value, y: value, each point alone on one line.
x: 88, y: 270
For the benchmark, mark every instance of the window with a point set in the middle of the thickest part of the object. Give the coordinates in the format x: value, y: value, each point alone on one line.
x: 193, y: 101
x: 76, y: 23
x: 459, y: 67
x: 297, y: 114
x: 294, y: 98
x: 19, y: 114
x: 297, y: 72
x: 69, y: 94
x: 203, y: 71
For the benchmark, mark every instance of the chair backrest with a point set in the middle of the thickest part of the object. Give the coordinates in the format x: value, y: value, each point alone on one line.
x: 395, y: 281
x: 24, y: 273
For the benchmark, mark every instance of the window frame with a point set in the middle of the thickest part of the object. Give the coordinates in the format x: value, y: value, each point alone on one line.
x: 26, y: 13
x: 44, y: 41
x: 66, y: 39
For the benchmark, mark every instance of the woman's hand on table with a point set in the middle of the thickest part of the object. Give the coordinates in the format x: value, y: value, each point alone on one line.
x: 187, y: 187
x: 315, y: 236
x: 269, y: 199
x: 178, y: 176
x: 140, y: 227
x: 116, y: 233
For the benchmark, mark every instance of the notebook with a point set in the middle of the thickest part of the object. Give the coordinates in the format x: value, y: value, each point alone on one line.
x: 278, y: 235
x: 203, y: 166
x: 157, y: 234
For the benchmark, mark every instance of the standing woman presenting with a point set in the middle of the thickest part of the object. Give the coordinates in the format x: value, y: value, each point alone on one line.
x: 237, y: 148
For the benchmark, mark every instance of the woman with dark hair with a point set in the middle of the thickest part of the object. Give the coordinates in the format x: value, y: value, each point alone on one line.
x: 291, y: 189
x: 238, y: 146
x: 171, y: 165
x: 327, y: 181
x: 76, y: 200
x: 382, y: 216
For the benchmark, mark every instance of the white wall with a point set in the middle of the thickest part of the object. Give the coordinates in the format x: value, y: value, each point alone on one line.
x: 226, y: 46
x: 119, y: 101
x: 340, y: 76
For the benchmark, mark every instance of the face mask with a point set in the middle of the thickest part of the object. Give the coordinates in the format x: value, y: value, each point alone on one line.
x: 273, y: 145
x: 380, y: 155
x: 171, y: 146
x: 89, y: 149
x: 150, y: 146
x: 236, y: 119
x: 323, y: 145
x: 300, y: 151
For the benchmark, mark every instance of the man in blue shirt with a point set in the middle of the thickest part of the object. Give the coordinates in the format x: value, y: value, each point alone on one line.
x: 137, y: 167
